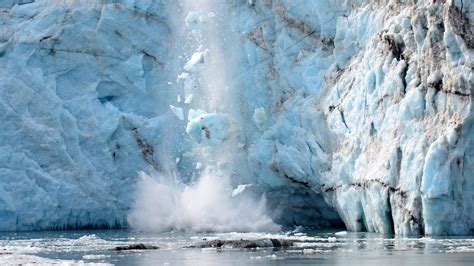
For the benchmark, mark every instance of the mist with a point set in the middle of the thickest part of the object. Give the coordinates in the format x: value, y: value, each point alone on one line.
x: 207, y: 205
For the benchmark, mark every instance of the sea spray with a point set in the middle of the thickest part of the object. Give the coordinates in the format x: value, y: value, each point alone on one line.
x: 207, y: 205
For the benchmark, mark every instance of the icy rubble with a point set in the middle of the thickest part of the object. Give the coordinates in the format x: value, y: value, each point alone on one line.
x: 354, y: 112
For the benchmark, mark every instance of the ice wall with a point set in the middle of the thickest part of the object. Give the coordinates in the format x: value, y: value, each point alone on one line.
x: 354, y: 112
x: 370, y: 106
x: 82, y: 85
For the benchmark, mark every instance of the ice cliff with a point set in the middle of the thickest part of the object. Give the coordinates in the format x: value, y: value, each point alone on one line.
x: 349, y: 112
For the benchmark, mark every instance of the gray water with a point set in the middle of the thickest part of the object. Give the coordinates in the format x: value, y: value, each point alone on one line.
x: 312, y: 248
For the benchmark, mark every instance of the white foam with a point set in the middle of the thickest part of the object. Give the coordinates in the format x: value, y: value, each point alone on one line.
x: 207, y: 205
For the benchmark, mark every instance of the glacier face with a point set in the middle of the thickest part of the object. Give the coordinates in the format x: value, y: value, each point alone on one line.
x: 79, y: 108
x: 373, y: 110
x: 352, y: 111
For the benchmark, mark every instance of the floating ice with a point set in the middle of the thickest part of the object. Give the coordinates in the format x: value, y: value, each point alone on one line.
x: 342, y: 233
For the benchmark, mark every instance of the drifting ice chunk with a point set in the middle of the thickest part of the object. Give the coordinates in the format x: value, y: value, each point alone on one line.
x: 208, y: 128
x: 310, y: 251
x: 342, y: 233
x: 260, y: 117
x: 178, y: 112
x: 240, y: 189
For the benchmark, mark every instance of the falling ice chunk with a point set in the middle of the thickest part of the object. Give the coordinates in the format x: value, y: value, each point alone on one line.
x: 198, y: 165
x: 188, y: 99
x: 179, y: 98
x: 210, y: 128
x: 178, y: 112
x: 196, y: 58
x: 193, y: 21
x: 183, y: 76
x: 240, y: 189
x: 202, y: 19
x: 211, y: 14
x: 178, y: 160
x: 190, y: 85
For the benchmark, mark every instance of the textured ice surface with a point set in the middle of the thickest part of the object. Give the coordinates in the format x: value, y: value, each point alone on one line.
x: 79, y: 109
x: 260, y: 117
x: 367, y: 106
x: 370, y: 107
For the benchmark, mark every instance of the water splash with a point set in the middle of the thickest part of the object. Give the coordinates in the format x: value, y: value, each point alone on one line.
x: 207, y: 205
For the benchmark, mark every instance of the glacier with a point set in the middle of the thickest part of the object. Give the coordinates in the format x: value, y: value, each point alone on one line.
x: 354, y: 113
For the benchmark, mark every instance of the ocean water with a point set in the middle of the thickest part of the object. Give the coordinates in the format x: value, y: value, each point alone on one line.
x: 310, y: 248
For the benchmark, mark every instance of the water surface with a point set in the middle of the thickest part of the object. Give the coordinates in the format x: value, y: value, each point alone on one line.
x: 311, y: 248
